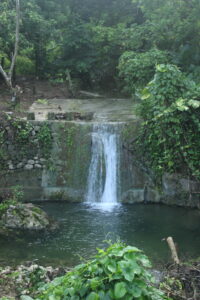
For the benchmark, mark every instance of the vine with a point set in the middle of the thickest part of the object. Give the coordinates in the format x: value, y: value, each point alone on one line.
x: 45, y: 139
x: 169, y: 137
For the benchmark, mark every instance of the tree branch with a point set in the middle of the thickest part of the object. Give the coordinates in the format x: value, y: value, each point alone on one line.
x: 4, y: 75
x: 172, y: 247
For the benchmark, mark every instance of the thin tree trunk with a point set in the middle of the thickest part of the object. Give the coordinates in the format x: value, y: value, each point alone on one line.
x: 16, y: 39
x: 8, y: 76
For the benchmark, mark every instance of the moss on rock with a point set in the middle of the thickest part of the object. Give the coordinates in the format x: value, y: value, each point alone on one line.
x: 25, y: 217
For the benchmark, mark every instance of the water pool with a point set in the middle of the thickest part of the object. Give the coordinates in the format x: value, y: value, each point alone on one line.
x: 84, y: 228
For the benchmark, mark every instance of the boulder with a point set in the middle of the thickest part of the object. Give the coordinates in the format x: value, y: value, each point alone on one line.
x: 25, y: 217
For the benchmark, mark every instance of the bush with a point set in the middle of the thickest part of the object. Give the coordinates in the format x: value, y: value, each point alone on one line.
x: 137, y: 69
x: 119, y: 272
x: 17, y: 193
x: 12, y: 197
x: 169, y: 138
x: 24, y: 66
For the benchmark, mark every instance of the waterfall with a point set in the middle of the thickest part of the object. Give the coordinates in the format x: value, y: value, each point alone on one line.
x: 103, y: 179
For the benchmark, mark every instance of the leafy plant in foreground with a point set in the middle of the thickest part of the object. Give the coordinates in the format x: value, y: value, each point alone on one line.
x: 118, y: 272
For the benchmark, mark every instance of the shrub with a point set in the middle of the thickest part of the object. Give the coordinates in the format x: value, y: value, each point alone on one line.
x: 169, y: 138
x: 119, y: 272
x: 12, y: 197
x: 137, y: 69
x: 24, y: 66
x: 17, y: 193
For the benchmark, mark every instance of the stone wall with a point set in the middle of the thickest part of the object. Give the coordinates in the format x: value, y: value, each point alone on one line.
x: 51, y: 162
x: 138, y: 183
x: 56, y: 170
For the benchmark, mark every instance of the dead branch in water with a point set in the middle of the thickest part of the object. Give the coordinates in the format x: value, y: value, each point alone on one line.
x: 173, y: 250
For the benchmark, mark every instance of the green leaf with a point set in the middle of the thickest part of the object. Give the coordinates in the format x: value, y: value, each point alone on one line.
x: 52, y: 297
x: 145, y: 261
x: 135, y: 291
x: 120, y: 290
x: 101, y: 295
x: 194, y: 103
x: 170, y: 163
x: 129, y: 269
x: 83, y: 291
x: 93, y: 296
x: 71, y: 291
x: 94, y: 282
x: 145, y: 94
x: 180, y: 104
x: 112, y: 267
x: 75, y: 298
x: 24, y: 297
x: 131, y: 249
x: 161, y: 68
x: 128, y: 297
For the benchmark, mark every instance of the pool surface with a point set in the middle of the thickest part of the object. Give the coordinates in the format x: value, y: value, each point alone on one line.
x: 84, y: 228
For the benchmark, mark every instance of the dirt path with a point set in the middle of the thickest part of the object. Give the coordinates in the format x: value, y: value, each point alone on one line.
x: 32, y: 90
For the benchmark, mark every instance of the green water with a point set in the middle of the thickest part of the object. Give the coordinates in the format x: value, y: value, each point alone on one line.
x: 83, y: 229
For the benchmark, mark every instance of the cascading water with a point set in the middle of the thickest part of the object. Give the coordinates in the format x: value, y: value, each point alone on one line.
x: 103, y: 179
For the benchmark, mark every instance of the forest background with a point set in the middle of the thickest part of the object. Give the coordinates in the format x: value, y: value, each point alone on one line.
x: 106, y: 44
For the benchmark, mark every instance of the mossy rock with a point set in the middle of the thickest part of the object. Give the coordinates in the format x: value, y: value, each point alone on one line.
x: 25, y: 217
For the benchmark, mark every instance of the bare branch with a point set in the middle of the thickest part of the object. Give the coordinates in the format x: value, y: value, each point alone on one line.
x: 3, y: 73
x: 7, y: 79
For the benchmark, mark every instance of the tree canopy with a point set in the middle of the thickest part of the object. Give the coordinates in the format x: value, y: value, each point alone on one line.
x: 99, y: 41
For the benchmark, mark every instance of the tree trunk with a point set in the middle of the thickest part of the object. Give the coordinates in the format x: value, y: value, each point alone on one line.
x: 8, y: 76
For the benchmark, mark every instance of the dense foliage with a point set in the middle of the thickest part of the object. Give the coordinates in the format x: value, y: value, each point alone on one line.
x: 89, y: 41
x: 137, y: 69
x: 116, y: 273
x: 170, y: 107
